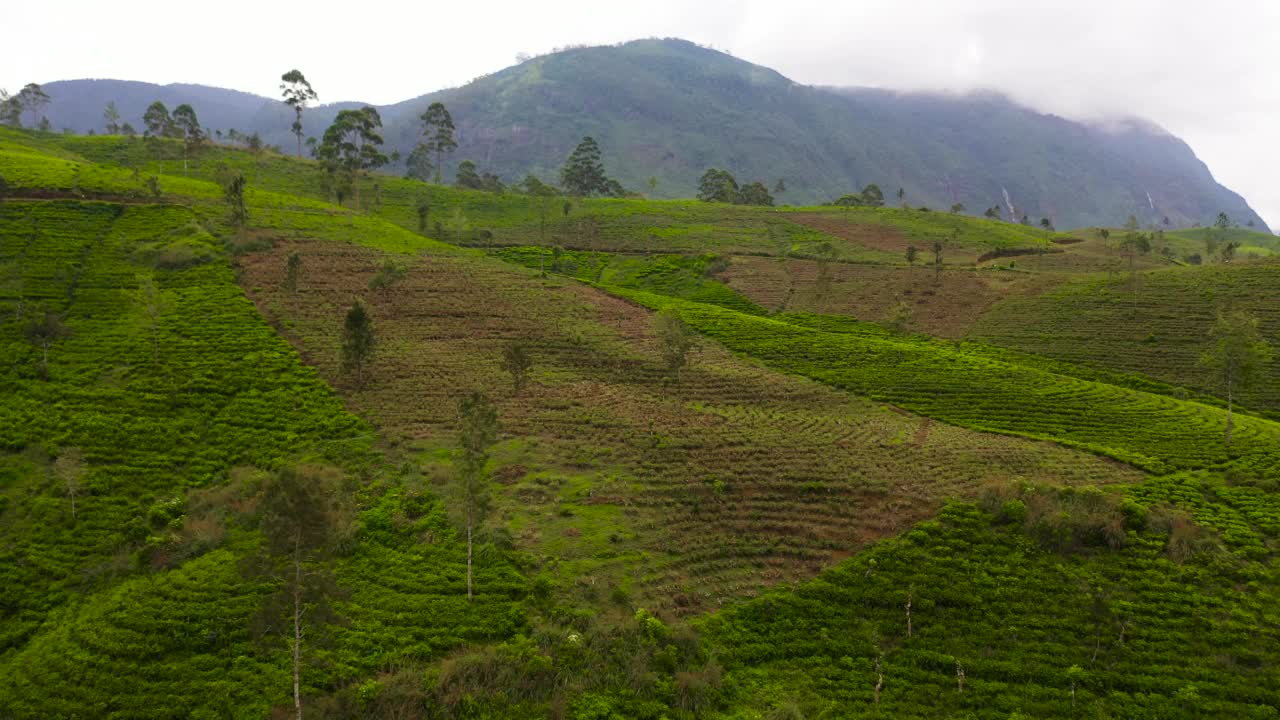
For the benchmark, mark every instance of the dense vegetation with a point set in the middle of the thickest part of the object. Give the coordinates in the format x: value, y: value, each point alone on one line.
x: 720, y: 512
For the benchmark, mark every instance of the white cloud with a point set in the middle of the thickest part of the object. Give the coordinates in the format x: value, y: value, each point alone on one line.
x: 1202, y: 70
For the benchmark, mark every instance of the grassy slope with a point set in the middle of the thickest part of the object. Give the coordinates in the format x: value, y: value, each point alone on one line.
x: 810, y: 668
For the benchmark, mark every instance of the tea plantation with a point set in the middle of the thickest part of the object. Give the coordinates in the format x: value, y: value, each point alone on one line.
x: 811, y: 515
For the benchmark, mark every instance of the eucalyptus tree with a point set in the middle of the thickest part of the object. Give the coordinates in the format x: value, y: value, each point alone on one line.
x: 437, y: 127
x: 297, y: 92
x: 33, y: 99
x: 159, y: 125
x: 477, y: 432
x: 418, y: 165
x: 305, y: 518
x: 1238, y: 356
x: 10, y: 109
x: 158, y: 121
x: 352, y: 145
x: 112, y: 115
x: 187, y: 126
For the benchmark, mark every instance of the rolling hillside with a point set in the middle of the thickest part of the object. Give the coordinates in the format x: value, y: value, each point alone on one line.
x: 823, y: 513
x: 670, y: 109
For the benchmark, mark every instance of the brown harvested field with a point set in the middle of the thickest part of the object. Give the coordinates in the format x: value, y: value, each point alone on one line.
x: 1085, y: 255
x: 946, y: 307
x: 877, y: 237
x: 687, y: 494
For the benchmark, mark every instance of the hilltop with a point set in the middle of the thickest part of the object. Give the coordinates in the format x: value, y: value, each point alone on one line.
x: 669, y: 109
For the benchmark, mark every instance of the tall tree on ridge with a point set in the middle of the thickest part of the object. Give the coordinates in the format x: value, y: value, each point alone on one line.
x: 157, y: 120
x: 418, y: 165
x: 159, y: 125
x: 437, y: 127
x: 33, y: 99
x: 112, y: 116
x: 718, y: 185
x: 187, y: 126
x: 467, y: 176
x: 297, y: 92
x: 10, y: 109
x: 352, y: 145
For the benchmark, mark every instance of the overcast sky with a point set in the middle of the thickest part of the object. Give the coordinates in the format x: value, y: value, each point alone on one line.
x: 1206, y: 71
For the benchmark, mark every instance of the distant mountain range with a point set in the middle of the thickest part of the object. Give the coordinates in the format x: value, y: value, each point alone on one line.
x: 669, y: 109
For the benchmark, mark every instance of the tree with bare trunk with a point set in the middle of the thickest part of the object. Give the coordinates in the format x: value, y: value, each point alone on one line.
x: 69, y: 469
x: 304, y: 518
x: 42, y: 332
x: 910, y: 597
x: 675, y: 338
x: 1237, y: 357
x: 477, y: 432
x: 297, y: 93
x: 154, y: 304
x: 879, y: 675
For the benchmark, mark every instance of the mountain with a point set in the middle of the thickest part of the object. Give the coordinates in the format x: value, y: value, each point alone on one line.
x: 669, y: 109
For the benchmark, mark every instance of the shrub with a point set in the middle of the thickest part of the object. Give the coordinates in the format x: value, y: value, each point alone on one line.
x: 696, y: 690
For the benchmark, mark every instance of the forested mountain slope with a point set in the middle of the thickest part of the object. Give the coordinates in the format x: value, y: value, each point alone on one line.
x: 669, y: 109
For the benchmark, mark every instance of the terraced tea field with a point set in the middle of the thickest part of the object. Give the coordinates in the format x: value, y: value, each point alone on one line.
x: 689, y: 493
x: 1097, y: 549
x: 999, y: 628
x: 157, y: 415
x: 1097, y: 322
x: 971, y: 388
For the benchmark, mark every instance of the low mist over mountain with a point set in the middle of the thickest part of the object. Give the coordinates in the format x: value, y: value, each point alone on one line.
x: 669, y: 109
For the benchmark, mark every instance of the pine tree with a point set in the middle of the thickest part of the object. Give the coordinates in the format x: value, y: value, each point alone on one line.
x: 583, y: 172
